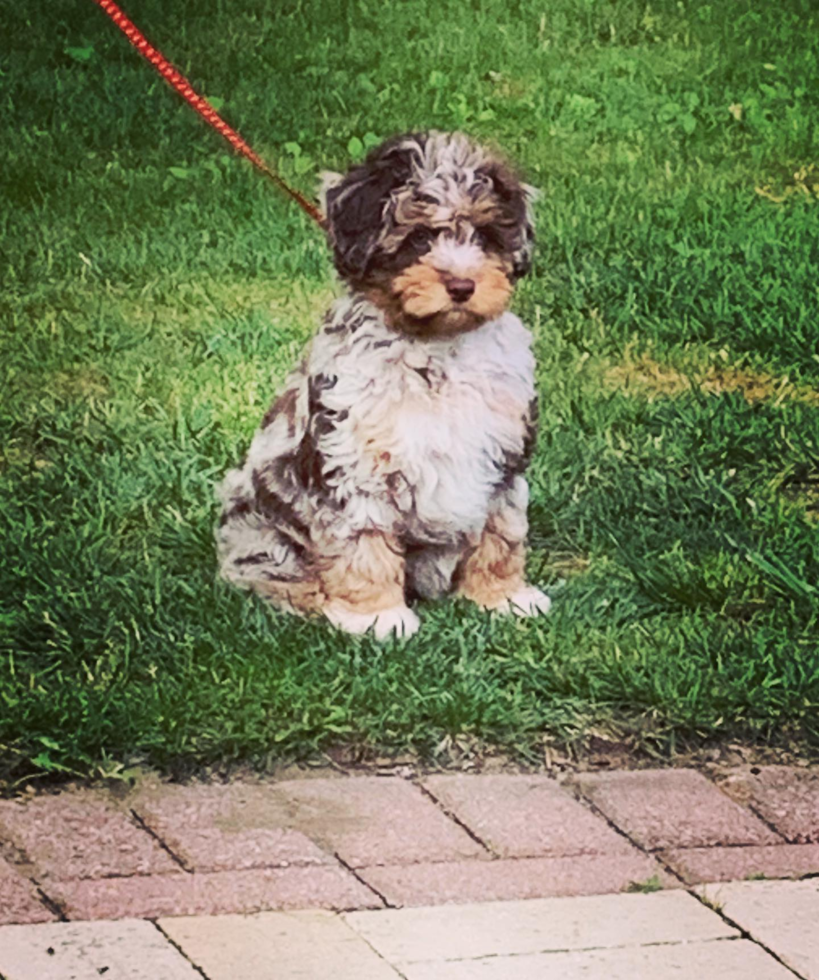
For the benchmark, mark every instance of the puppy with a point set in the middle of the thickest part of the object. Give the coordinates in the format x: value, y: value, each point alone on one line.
x: 391, y: 465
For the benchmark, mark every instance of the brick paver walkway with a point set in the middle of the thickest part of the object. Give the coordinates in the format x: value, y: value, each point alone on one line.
x: 170, y: 867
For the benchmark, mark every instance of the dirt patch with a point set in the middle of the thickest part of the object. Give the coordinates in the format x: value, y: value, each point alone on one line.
x: 600, y: 749
x: 756, y: 386
x: 804, y: 183
x: 650, y: 379
x: 78, y: 384
x: 567, y: 564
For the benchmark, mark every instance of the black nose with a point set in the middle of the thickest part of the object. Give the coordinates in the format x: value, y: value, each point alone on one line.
x: 460, y: 289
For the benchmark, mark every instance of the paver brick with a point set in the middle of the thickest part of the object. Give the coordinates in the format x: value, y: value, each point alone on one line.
x: 81, y: 835
x: 149, y: 896
x: 19, y: 901
x: 88, y: 951
x: 503, y: 880
x: 781, y: 915
x: 526, y: 816
x: 786, y: 797
x: 733, y: 960
x: 372, y: 820
x: 227, y: 828
x: 702, y: 864
x: 277, y: 946
x: 537, y: 926
x: 664, y: 809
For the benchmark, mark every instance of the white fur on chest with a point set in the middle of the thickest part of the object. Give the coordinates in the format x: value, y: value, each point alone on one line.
x: 427, y: 425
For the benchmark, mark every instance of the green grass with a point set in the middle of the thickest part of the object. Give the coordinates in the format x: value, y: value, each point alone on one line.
x: 155, y: 290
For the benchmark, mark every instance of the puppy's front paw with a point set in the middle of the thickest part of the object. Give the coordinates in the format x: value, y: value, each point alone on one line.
x: 400, y: 620
x: 527, y: 601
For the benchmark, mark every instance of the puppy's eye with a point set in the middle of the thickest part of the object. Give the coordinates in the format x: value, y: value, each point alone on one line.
x: 421, y: 236
x: 488, y: 236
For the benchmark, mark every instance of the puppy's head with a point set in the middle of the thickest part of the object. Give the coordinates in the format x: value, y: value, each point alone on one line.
x: 433, y: 229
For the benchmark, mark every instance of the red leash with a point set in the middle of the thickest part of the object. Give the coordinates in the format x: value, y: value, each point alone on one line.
x: 201, y: 105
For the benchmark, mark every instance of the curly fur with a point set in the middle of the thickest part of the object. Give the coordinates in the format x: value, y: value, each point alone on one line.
x: 392, y: 463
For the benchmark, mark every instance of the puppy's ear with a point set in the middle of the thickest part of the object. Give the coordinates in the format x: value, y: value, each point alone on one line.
x: 357, y: 205
x: 516, y: 203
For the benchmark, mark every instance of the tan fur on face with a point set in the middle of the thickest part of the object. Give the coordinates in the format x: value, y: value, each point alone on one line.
x: 419, y: 293
x: 493, y: 572
x: 492, y: 291
x: 368, y: 578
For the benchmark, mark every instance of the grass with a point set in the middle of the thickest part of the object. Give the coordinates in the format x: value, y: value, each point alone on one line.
x: 155, y: 291
x: 647, y: 887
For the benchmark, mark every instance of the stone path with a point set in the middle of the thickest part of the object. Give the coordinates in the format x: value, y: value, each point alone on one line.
x: 622, y: 874
x: 766, y: 932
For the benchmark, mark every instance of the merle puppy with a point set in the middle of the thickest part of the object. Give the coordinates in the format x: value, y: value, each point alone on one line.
x: 392, y: 462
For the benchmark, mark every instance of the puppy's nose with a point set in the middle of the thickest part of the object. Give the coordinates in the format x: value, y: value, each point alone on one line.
x: 460, y: 289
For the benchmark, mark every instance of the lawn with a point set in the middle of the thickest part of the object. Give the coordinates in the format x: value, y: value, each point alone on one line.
x: 155, y: 290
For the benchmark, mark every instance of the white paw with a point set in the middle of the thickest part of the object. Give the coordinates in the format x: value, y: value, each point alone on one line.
x: 400, y: 620
x: 527, y: 601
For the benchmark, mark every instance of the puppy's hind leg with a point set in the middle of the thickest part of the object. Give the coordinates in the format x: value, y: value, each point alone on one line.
x: 364, y: 588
